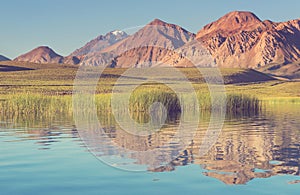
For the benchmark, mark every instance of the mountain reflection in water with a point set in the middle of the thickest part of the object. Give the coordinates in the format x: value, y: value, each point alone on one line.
x: 249, y: 147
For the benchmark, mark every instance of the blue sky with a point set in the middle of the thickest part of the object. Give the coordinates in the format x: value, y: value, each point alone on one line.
x: 65, y: 25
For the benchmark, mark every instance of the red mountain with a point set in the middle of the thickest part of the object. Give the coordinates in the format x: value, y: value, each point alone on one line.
x: 241, y: 39
x: 42, y: 54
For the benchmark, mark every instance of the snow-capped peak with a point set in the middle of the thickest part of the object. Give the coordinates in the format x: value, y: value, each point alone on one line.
x: 118, y: 32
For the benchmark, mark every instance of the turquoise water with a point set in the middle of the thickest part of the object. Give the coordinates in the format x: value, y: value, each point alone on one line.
x: 254, y: 155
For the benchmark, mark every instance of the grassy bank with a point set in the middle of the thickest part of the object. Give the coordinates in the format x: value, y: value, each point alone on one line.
x: 55, y: 79
x: 41, y: 90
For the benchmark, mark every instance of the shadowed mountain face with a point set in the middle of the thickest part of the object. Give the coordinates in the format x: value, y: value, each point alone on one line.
x: 3, y: 58
x: 41, y: 55
x: 9, y: 68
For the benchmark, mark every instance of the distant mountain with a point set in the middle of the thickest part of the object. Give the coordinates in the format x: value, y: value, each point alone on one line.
x: 149, y: 44
x: 100, y: 43
x: 3, y: 58
x: 96, y: 45
x: 241, y: 39
x: 42, y: 54
x: 156, y: 33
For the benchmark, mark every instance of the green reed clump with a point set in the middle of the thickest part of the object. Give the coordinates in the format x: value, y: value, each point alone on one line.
x: 103, y: 102
x: 141, y: 100
x: 34, y: 107
x: 32, y: 110
x: 204, y: 100
x: 235, y: 104
x: 243, y: 104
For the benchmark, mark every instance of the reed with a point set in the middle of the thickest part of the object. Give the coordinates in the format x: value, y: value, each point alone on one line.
x: 31, y: 109
x: 141, y: 100
x: 45, y: 107
x: 34, y: 104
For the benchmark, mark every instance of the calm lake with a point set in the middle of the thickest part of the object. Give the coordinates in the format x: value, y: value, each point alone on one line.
x: 257, y: 153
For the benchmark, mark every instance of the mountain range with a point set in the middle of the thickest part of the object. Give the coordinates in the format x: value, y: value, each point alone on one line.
x: 238, y: 39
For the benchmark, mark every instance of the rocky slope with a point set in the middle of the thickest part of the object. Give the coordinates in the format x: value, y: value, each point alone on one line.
x: 241, y: 39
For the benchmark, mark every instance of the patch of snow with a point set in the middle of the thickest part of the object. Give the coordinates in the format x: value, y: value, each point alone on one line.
x: 118, y: 32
